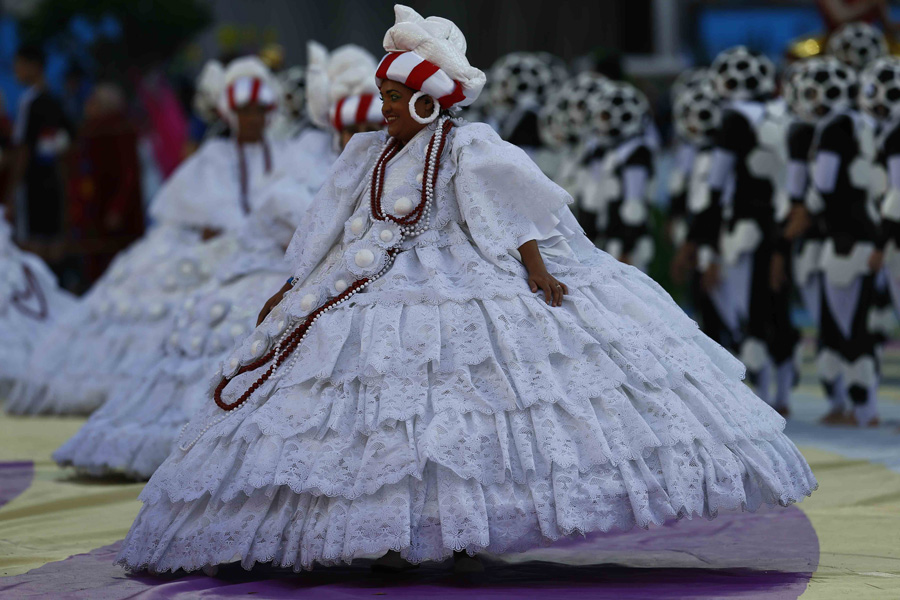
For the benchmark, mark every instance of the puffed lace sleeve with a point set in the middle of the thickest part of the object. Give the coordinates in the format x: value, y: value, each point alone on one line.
x: 503, y: 196
x: 196, y: 195
x: 322, y: 224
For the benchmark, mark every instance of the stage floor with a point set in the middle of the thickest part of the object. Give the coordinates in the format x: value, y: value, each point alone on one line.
x: 59, y: 535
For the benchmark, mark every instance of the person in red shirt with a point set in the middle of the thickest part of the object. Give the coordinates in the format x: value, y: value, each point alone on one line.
x: 105, y: 188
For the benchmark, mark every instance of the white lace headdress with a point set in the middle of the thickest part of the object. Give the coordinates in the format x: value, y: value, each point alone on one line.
x: 339, y: 87
x: 429, y: 55
x: 247, y: 80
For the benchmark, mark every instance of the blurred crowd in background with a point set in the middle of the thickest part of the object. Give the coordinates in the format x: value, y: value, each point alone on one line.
x: 115, y: 112
x: 100, y: 103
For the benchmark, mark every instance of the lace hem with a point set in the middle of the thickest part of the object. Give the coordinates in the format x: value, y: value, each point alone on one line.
x: 429, y: 517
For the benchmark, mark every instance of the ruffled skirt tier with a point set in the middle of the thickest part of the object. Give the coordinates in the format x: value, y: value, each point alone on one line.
x: 448, y: 408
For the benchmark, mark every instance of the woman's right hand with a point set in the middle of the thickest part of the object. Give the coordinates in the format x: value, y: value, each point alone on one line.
x: 272, y: 302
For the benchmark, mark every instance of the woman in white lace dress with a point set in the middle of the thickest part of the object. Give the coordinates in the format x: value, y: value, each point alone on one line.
x: 134, y: 430
x: 119, y: 331
x: 31, y: 302
x: 455, y: 369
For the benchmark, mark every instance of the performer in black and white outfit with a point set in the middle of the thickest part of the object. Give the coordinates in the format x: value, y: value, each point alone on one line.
x: 620, y: 115
x: 697, y: 117
x: 734, y: 234
x: 684, y: 118
x: 843, y: 153
x: 519, y: 85
x: 880, y: 100
x: 563, y: 124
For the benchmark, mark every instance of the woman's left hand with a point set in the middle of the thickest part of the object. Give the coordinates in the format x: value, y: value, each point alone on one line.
x: 553, y: 289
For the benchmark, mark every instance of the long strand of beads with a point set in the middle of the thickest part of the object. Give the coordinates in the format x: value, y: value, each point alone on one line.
x: 410, y: 224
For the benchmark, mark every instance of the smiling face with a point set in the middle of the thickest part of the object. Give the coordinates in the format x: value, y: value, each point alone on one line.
x: 395, y: 99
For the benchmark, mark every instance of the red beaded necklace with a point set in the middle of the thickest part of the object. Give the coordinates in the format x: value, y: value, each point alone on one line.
x: 291, y: 340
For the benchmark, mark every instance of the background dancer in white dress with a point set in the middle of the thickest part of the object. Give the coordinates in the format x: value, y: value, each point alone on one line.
x: 31, y: 302
x: 134, y: 430
x: 456, y: 369
x: 117, y: 333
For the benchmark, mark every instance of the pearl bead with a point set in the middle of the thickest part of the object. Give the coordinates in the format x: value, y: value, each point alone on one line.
x: 364, y: 258
x: 256, y: 347
x: 357, y: 225
x: 233, y: 363
x: 403, y: 206
x: 217, y: 311
x: 307, y: 302
x: 280, y: 325
x: 386, y: 235
x: 340, y: 285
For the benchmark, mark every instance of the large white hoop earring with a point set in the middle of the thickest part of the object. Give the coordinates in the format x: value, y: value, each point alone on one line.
x: 412, y: 110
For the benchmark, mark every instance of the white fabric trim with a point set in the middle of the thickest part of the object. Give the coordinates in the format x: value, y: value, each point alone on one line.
x: 797, y: 178
x: 825, y: 171
x: 841, y: 270
x: 721, y: 168
x: 754, y: 354
x: 842, y: 303
x: 893, y: 164
x: 706, y: 256
x: 890, y: 209
x: 745, y: 237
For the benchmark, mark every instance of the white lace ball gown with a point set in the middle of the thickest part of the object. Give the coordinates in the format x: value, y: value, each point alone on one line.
x: 118, y: 331
x: 447, y: 407
x: 133, y: 432
x: 30, y: 303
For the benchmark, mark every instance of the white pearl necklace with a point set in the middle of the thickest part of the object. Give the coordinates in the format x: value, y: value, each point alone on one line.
x: 405, y: 231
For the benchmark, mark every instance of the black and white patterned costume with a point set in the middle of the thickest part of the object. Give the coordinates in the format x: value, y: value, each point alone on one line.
x: 621, y: 164
x: 697, y: 117
x: 564, y: 124
x: 806, y: 251
x: 880, y: 100
x: 843, y: 155
x: 737, y: 230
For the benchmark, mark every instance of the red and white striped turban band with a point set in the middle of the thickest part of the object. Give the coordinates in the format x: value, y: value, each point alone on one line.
x: 250, y: 90
x: 356, y: 110
x: 415, y: 72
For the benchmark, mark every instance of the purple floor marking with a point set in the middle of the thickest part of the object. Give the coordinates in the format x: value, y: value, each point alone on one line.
x: 767, y: 555
x: 15, y: 477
